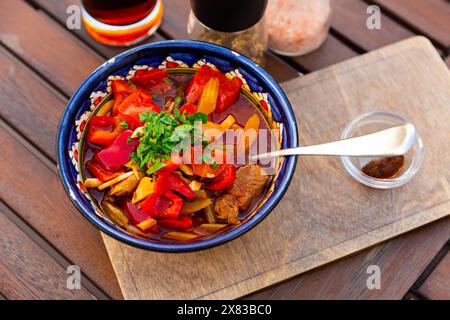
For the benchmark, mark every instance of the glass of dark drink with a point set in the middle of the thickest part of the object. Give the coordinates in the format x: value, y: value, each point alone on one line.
x: 120, y: 22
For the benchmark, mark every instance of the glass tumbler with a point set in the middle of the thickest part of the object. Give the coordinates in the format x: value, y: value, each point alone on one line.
x: 297, y: 27
x: 121, y: 23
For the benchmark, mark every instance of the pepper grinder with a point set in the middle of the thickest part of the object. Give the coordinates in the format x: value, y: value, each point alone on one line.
x: 236, y: 24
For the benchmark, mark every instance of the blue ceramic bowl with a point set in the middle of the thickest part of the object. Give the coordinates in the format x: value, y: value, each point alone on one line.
x: 184, y: 53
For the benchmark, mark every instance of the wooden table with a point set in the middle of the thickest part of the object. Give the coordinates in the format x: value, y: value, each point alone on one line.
x: 41, y: 233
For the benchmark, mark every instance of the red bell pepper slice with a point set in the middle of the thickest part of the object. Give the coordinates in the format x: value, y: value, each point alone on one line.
x: 118, y: 153
x: 131, y: 121
x: 198, y: 219
x: 102, y: 138
x: 121, y: 89
x: 183, y: 222
x: 136, y: 103
x: 228, y: 91
x: 102, y: 122
x: 171, y: 164
x: 148, y: 78
x: 97, y: 171
x: 160, y: 88
x: 203, y: 169
x: 155, y: 229
x: 174, y: 182
x: 102, y: 130
x: 225, y: 179
x: 188, y: 108
x: 163, y: 206
x: 172, y: 64
x: 195, y: 87
x: 160, y: 186
x: 121, y: 86
x: 163, y: 203
x: 136, y: 214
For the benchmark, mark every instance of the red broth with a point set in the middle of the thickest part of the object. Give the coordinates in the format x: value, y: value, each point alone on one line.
x: 242, y: 109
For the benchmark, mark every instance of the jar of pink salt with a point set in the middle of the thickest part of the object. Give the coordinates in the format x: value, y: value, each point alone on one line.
x: 297, y: 27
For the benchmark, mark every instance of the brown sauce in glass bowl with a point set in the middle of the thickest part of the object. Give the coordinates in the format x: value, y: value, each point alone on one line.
x: 384, y: 168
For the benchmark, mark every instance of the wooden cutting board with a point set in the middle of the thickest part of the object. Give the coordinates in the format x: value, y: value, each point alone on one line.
x: 325, y: 214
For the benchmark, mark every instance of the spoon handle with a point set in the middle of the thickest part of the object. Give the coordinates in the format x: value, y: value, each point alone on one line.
x: 389, y: 142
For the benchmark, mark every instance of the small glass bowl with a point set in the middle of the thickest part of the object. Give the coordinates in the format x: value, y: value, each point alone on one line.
x: 375, y: 121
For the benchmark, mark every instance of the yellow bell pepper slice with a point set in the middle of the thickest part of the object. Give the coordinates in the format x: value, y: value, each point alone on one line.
x: 235, y: 126
x: 196, y: 205
x: 208, y: 228
x: 105, y: 108
x: 186, y: 169
x: 115, y: 180
x: 146, y: 224
x: 212, y: 131
x: 252, y: 124
x: 144, y: 189
x: 195, y: 185
x: 228, y: 122
x: 181, y: 236
x: 92, y: 183
x: 208, y: 100
x: 209, y: 214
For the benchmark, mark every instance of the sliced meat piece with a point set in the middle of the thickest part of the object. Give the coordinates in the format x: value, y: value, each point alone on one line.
x: 250, y: 182
x: 226, y: 207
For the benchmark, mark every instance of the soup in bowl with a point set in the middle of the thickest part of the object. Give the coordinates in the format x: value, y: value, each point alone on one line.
x: 155, y: 146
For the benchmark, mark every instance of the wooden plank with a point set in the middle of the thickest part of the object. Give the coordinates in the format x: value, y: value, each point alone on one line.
x: 57, y: 10
x: 36, y: 111
x: 332, y: 51
x: 39, y: 108
x: 324, y: 215
x: 429, y: 16
x: 28, y: 272
x: 174, y: 25
x: 175, y: 18
x: 349, y: 19
x: 36, y: 194
x: 401, y: 261
x: 437, y: 285
x: 278, y: 69
x: 45, y: 46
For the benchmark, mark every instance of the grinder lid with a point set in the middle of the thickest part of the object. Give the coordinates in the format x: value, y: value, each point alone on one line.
x: 229, y: 15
